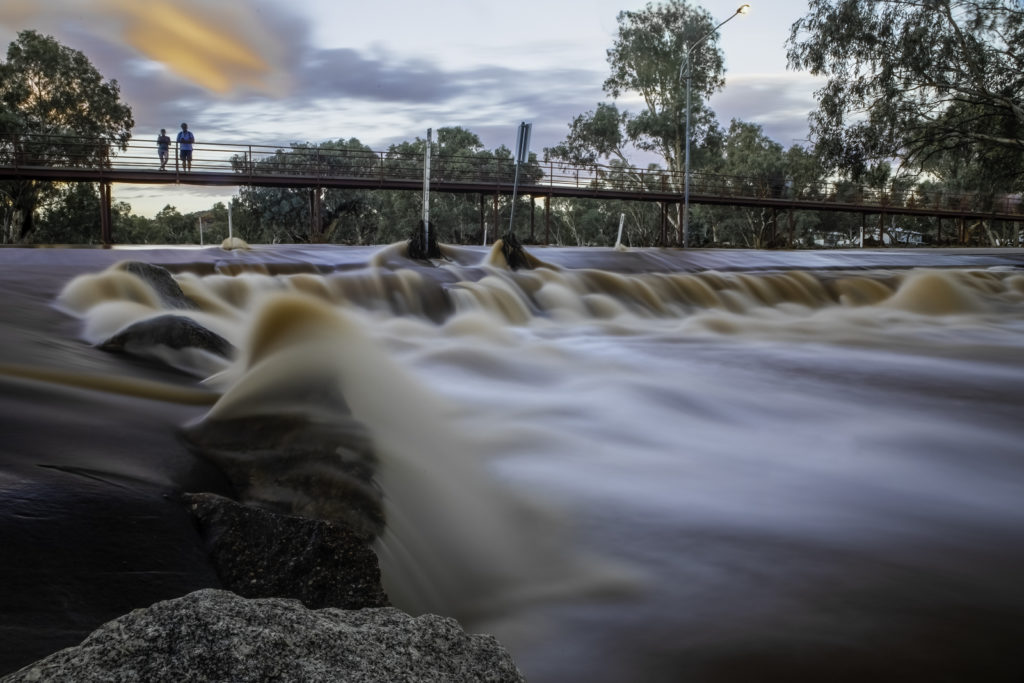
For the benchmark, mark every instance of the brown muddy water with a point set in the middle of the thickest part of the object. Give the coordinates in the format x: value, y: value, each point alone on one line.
x: 645, y: 465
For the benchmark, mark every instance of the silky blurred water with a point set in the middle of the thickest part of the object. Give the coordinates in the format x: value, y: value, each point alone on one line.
x: 657, y: 466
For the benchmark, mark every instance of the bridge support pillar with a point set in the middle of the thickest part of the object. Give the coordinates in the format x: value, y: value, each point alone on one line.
x: 679, y: 222
x: 316, y: 206
x: 547, y: 219
x: 105, y: 221
x: 497, y: 228
x: 533, y: 240
x: 663, y: 237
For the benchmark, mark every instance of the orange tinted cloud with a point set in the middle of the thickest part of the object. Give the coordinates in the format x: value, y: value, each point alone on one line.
x: 220, y: 46
x: 208, y: 46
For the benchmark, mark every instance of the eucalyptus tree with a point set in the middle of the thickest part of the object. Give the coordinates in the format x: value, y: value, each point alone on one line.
x: 917, y: 81
x: 645, y: 60
x: 172, y: 227
x: 752, y: 165
x: 459, y: 155
x: 805, y: 179
x: 70, y: 215
x: 55, y: 108
x: 286, y: 214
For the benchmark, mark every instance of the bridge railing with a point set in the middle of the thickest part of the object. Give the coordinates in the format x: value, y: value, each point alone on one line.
x: 251, y: 161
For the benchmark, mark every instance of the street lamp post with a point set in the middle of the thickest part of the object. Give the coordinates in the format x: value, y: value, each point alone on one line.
x: 742, y: 9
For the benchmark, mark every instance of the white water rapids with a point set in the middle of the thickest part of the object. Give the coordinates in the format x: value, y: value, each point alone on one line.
x: 646, y: 467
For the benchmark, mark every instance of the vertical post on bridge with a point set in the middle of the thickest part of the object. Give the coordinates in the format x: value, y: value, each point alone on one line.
x: 423, y: 245
x: 511, y: 249
x: 426, y: 190
x: 522, y: 157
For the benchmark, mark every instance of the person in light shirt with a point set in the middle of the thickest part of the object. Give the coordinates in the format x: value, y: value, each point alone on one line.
x: 185, y: 141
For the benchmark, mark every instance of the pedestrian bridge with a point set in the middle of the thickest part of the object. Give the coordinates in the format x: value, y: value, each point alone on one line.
x: 60, y: 158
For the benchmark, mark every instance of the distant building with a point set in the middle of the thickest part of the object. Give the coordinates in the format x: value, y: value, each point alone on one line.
x: 893, y: 236
x: 835, y: 240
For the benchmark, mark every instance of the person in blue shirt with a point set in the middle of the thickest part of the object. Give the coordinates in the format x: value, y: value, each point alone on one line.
x: 185, y: 141
x: 163, y: 147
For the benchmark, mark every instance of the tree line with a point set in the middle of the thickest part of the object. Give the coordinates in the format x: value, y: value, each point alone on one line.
x: 919, y: 98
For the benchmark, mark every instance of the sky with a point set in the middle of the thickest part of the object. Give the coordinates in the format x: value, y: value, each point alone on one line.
x: 280, y: 71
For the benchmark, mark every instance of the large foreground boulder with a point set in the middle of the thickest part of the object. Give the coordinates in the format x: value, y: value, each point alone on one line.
x: 259, y: 553
x: 213, y: 635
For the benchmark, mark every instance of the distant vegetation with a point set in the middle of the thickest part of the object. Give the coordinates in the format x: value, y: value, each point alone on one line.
x: 919, y: 98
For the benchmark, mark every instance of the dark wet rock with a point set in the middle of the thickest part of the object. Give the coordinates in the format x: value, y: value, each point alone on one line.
x: 514, y: 254
x: 173, y: 331
x: 297, y: 465
x: 262, y: 554
x: 214, y: 635
x: 421, y: 246
x: 161, y: 280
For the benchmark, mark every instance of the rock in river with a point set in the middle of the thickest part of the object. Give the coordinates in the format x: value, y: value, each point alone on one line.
x: 212, y: 635
x: 261, y: 554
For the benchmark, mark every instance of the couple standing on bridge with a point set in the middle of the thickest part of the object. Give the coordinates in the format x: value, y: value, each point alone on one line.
x: 185, y: 141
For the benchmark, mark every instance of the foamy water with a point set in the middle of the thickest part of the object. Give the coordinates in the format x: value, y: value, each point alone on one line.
x: 654, y: 473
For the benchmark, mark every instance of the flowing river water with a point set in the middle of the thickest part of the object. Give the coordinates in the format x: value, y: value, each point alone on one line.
x: 638, y: 465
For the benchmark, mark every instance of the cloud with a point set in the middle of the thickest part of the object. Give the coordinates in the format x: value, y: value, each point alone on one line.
x: 222, y: 47
x: 249, y: 71
x: 779, y: 103
x: 219, y: 66
x: 219, y: 48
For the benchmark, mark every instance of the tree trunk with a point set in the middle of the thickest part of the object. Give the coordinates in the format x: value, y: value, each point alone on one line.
x: 992, y: 239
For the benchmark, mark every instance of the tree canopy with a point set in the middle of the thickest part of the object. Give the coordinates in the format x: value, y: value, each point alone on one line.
x: 646, y: 59
x: 48, y: 90
x: 928, y: 82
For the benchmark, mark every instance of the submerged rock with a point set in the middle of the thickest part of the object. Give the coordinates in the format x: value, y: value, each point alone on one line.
x: 173, y: 331
x: 173, y: 340
x: 214, y: 635
x: 234, y: 243
x: 162, y: 282
x: 292, y: 464
x: 261, y: 554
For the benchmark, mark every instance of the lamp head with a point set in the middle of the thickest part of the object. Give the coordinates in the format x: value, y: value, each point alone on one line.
x: 744, y: 8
